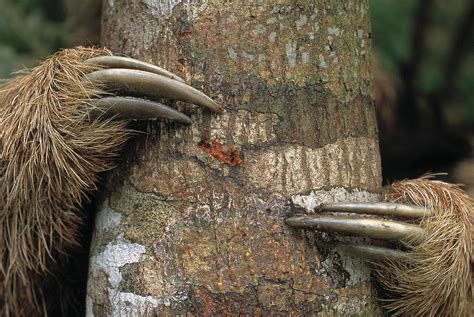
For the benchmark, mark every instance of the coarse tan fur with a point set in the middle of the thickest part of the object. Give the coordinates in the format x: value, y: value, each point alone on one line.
x: 51, y: 152
x: 436, y: 279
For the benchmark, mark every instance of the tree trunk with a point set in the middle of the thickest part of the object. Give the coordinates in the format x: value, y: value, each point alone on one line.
x: 193, y: 219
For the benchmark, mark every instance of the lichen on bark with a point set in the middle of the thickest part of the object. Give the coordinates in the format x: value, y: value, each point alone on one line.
x: 294, y: 77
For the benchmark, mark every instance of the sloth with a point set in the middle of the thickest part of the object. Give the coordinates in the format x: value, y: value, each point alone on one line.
x: 61, y: 124
x: 64, y: 122
x: 425, y: 268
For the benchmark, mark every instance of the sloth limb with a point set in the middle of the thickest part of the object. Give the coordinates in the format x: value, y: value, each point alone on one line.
x: 430, y: 274
x: 58, y: 131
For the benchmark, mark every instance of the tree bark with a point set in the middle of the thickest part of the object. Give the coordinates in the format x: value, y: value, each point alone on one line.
x: 193, y: 219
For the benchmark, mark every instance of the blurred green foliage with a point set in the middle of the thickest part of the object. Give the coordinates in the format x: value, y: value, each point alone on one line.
x: 393, y: 26
x: 29, y: 31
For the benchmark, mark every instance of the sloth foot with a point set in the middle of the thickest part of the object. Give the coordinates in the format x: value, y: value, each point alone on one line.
x: 424, y: 263
x: 369, y: 227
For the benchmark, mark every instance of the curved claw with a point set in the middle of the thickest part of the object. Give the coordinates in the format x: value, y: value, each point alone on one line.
x: 152, y: 85
x: 367, y: 251
x: 130, y: 63
x: 386, y: 209
x: 373, y: 228
x: 132, y: 108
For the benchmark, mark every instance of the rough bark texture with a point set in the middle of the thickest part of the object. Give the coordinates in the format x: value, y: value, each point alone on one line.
x: 193, y: 221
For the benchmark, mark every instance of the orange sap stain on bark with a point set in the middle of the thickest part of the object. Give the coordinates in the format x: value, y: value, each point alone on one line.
x: 229, y: 155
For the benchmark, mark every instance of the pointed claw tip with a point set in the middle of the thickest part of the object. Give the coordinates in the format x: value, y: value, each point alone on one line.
x: 212, y: 105
x: 215, y: 107
x: 220, y: 108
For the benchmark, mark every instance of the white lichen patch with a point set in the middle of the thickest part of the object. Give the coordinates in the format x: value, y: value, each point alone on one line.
x: 129, y: 304
x: 301, y: 22
x: 334, y: 31
x: 232, y: 53
x: 348, y: 306
x: 162, y: 7
x: 358, y: 270
x: 107, y: 219
x: 333, y: 57
x: 305, y: 57
x: 247, y: 56
x: 271, y: 20
x: 315, y: 27
x: 291, y: 53
x: 116, y: 255
x: 259, y: 29
x: 272, y: 37
x: 322, y: 62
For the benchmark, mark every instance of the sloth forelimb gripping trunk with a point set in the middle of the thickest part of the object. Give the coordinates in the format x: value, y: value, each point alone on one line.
x: 58, y: 131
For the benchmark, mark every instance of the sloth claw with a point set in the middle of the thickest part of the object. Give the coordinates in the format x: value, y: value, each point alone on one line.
x: 373, y: 228
x: 130, y: 63
x: 369, y: 252
x: 133, y: 108
x: 138, y: 82
x: 381, y: 208
x: 135, y: 78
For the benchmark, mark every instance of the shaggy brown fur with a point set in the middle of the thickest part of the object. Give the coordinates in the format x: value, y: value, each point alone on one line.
x: 436, y: 280
x: 50, y: 156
